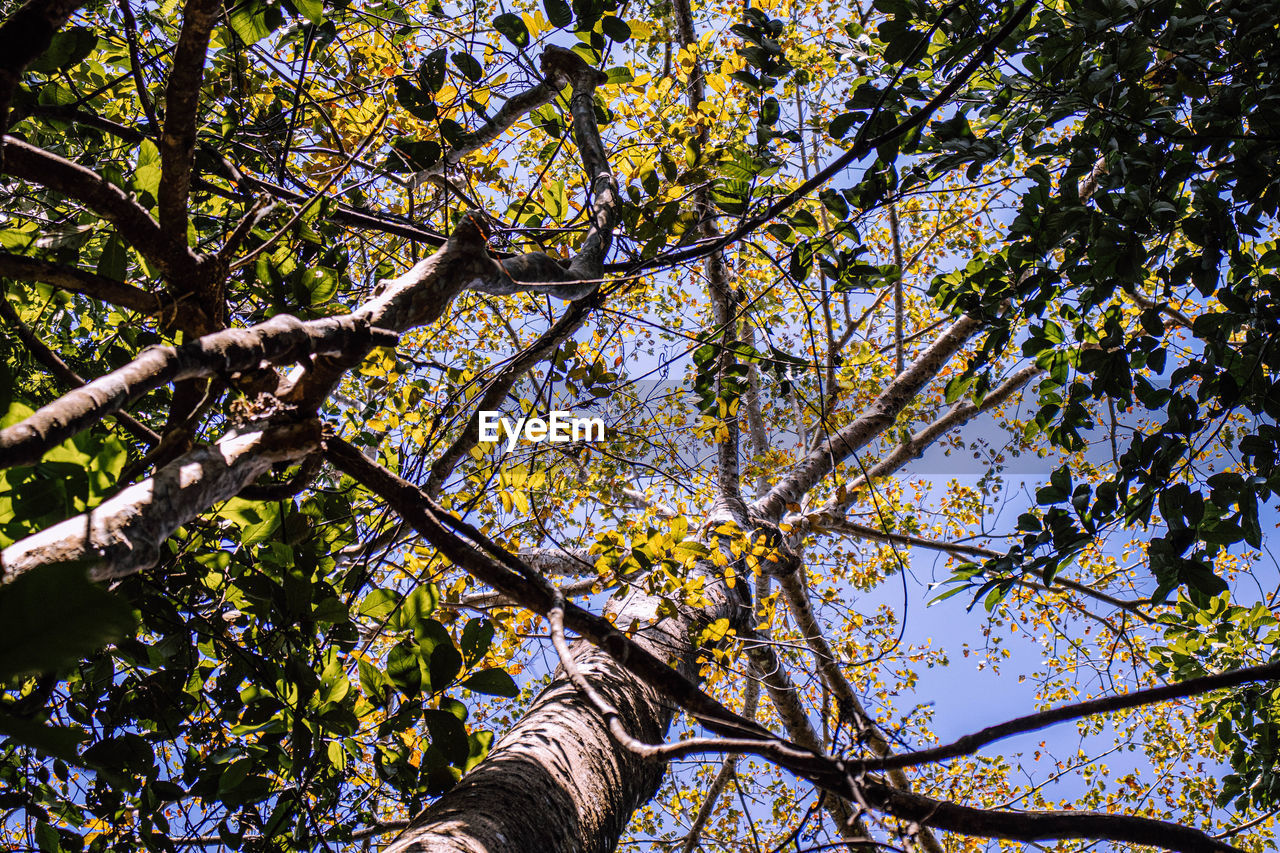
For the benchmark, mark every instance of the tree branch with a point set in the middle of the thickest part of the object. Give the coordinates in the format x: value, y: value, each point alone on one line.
x: 797, y: 594
x: 125, y: 533
x: 135, y: 66
x: 63, y: 371
x: 280, y: 339
x: 181, y: 105
x: 498, y: 389
x: 1033, y: 722
x: 786, y: 701
x: 104, y: 198
x: 25, y: 35
x: 831, y: 514
x: 861, y: 147
x: 555, y: 77
x: 504, y: 573
x: 508, y: 575
x: 1040, y: 826
x: 22, y: 268
x: 878, y: 417
x: 539, y: 272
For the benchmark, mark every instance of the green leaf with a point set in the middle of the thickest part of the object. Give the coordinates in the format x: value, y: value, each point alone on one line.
x: 54, y: 615
x: 477, y: 636
x: 67, y: 48
x: 770, y: 111
x: 416, y: 607
x: 255, y: 520
x: 146, y: 177
x: 558, y: 12
x: 321, y: 284
x: 615, y: 28
x: 114, y: 260
x: 493, y: 682
x: 47, y: 838
x: 418, y: 156
x: 479, y: 742
x: 834, y: 203
x: 403, y: 668
x: 379, y: 604
x: 512, y: 28
x: 312, y: 9
x: 373, y: 684
x: 448, y: 735
x: 432, y: 70
x: 619, y: 75
x: 840, y: 124
x: 446, y: 663
x: 467, y: 64
x: 254, y: 20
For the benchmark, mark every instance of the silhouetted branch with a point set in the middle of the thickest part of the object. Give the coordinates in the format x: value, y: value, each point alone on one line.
x: 1033, y: 722
x: 181, y: 106
x: 25, y: 35
x: 22, y: 268
x: 63, y: 371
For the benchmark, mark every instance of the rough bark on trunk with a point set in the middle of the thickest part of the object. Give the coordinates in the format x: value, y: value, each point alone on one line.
x: 558, y: 781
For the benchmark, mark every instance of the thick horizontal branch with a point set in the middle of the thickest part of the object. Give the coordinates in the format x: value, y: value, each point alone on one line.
x: 280, y: 339
x: 866, y: 531
x: 104, y: 198
x: 125, y: 533
x: 342, y: 214
x: 381, y: 827
x: 21, y: 268
x: 485, y: 600
x: 566, y: 562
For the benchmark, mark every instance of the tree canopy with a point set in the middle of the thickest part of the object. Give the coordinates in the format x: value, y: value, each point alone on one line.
x: 935, y: 345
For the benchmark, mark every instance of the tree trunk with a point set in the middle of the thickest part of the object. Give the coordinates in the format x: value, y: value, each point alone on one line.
x: 558, y: 781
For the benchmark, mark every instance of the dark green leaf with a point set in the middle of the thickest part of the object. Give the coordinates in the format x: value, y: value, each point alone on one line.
x: 468, y: 65
x: 54, y: 615
x: 513, y: 28
x: 493, y: 682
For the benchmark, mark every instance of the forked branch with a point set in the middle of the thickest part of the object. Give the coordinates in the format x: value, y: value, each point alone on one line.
x: 506, y: 574
x: 877, y: 417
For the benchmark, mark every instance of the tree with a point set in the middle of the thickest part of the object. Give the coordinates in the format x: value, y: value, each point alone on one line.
x: 266, y: 264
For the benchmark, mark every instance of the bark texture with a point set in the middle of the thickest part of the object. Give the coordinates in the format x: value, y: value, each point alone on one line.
x: 280, y: 339
x: 558, y: 781
x: 125, y: 533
